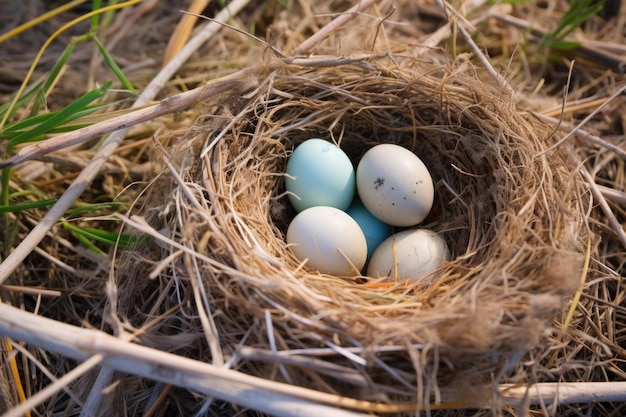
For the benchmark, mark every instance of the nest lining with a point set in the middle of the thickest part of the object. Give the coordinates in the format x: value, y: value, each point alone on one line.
x: 514, y: 221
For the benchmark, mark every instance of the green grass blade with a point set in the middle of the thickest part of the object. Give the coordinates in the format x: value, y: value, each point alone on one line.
x: 564, y: 45
x: 107, y: 17
x: 4, y: 186
x: 52, y: 77
x: 103, y: 236
x: 83, y: 208
x: 579, y: 12
x: 14, y: 208
x: 60, y: 117
x: 95, y: 19
x: 58, y: 66
x: 15, y: 129
x: 113, y: 65
x: 21, y: 126
x: 98, y: 235
x: 77, y: 232
x: 8, y: 227
x: 111, y: 238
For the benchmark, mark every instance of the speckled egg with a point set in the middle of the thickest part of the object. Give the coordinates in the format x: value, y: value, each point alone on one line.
x: 395, y: 185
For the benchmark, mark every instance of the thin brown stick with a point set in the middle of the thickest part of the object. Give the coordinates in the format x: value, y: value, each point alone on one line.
x: 562, y: 125
x: 564, y: 393
x: 85, y: 344
x: 586, y: 49
x: 614, y: 195
x: 167, y: 106
x: 257, y: 393
x: 463, y: 25
x: 486, y: 62
x: 307, y: 46
x: 159, y: 401
x: 110, y: 145
x: 585, y: 120
x: 31, y: 290
x: 606, y: 209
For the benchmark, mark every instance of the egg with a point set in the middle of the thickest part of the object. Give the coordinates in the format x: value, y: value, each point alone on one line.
x: 395, y: 185
x: 319, y: 173
x: 329, y: 240
x: 375, y: 230
x: 412, y: 254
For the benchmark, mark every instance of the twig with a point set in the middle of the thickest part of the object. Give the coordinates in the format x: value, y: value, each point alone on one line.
x: 86, y: 176
x: 606, y: 209
x: 54, y: 387
x: 91, y: 406
x: 205, y: 315
x: 565, y: 393
x: 257, y: 393
x: 41, y: 292
x: 317, y: 38
x: 585, y: 120
x: 487, y: 64
x: 460, y: 22
x: 166, y: 106
x: 583, y: 134
x: 586, y: 49
x: 616, y: 196
x: 85, y: 344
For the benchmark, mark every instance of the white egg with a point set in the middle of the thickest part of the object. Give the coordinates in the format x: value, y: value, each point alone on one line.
x: 329, y: 239
x: 409, y: 255
x: 395, y: 185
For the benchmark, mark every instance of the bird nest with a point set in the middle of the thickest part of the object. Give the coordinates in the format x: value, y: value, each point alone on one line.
x: 512, y: 211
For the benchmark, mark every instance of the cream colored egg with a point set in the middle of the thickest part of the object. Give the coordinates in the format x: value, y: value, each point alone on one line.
x: 395, y: 185
x: 409, y: 255
x: 329, y: 240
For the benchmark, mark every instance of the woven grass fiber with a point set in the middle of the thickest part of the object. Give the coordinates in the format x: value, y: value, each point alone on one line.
x: 513, y: 215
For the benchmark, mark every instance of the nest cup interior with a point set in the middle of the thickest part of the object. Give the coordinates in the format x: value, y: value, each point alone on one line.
x: 511, y: 217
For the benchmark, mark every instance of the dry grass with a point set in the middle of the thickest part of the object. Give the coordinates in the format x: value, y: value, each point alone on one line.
x: 534, y: 294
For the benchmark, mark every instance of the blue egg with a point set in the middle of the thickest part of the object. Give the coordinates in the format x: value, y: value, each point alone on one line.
x: 319, y: 173
x: 375, y: 230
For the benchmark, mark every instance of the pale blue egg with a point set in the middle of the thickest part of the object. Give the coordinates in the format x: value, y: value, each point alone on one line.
x: 319, y: 174
x: 375, y: 230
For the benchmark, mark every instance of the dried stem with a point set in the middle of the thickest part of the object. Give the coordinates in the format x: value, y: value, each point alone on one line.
x: 306, y: 47
x: 89, y: 173
x: 279, y: 399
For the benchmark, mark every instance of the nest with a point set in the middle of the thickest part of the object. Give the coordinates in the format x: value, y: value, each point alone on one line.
x: 513, y: 215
